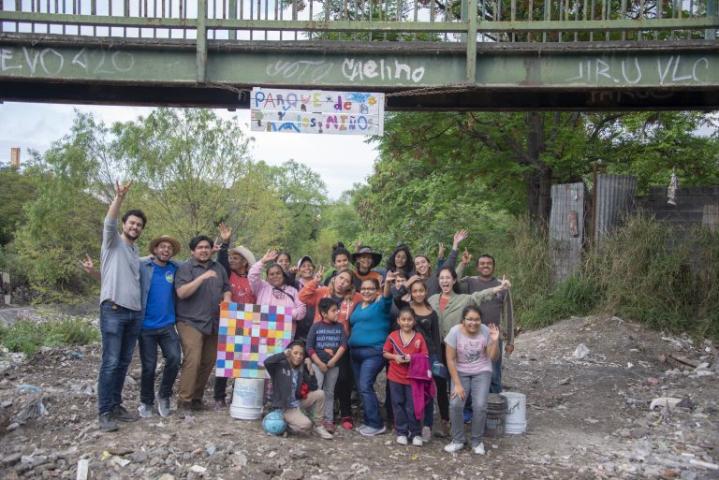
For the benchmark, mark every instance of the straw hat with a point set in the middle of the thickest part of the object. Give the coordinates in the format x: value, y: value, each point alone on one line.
x: 245, y: 252
x: 165, y: 238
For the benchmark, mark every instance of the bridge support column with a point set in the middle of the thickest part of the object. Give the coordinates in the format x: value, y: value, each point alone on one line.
x: 472, y: 41
x: 201, y: 40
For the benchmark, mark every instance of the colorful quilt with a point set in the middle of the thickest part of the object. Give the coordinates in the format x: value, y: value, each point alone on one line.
x: 247, y: 335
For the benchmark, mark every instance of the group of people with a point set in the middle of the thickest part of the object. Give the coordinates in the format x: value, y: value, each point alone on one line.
x: 438, y: 334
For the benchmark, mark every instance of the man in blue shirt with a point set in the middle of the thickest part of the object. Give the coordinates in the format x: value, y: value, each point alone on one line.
x: 157, y: 274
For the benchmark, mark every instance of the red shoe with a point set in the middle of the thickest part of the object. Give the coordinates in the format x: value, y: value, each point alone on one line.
x: 347, y: 423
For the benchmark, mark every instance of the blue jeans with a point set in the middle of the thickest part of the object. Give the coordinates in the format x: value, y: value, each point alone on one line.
x: 169, y: 342
x: 476, y: 387
x: 120, y: 328
x: 405, y: 422
x: 494, y: 387
x: 367, y: 362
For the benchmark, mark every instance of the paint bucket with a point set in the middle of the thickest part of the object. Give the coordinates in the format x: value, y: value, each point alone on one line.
x: 516, y: 420
x: 247, y: 398
x: 496, y: 413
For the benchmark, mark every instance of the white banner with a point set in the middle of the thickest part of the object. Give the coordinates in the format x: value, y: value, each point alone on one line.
x: 316, y: 111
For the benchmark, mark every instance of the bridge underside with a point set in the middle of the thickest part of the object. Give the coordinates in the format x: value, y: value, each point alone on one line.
x: 516, y: 76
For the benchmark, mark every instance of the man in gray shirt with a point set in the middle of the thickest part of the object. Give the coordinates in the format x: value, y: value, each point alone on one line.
x: 498, y: 311
x: 201, y: 284
x: 120, y: 308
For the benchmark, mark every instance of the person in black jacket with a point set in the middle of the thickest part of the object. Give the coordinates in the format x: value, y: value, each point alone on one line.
x: 288, y: 376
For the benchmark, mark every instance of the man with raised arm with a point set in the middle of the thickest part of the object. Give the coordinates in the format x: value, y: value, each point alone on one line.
x: 120, y: 307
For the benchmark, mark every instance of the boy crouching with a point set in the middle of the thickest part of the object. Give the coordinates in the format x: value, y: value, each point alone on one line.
x: 288, y: 375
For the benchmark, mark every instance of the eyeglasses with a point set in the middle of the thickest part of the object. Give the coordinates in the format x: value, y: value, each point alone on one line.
x: 472, y: 319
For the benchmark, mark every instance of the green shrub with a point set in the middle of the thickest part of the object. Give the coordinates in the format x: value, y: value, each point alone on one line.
x: 578, y: 295
x: 28, y: 336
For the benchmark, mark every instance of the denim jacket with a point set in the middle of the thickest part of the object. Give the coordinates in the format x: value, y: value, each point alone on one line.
x: 147, y: 266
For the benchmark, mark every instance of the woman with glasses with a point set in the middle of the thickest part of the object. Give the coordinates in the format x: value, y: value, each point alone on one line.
x: 276, y: 290
x: 370, y: 324
x: 471, y: 347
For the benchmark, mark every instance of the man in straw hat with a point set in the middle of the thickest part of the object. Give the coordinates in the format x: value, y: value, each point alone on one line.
x: 157, y: 277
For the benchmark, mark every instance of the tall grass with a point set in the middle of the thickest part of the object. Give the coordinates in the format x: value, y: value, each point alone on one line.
x: 28, y: 336
x: 645, y: 271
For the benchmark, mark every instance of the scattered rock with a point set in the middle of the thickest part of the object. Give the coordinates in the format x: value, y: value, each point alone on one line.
x: 581, y: 351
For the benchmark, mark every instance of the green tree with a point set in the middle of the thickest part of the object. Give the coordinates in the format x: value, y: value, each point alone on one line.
x: 17, y: 188
x: 64, y: 221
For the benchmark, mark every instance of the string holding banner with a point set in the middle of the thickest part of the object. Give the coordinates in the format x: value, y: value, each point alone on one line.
x: 247, y: 335
x: 317, y: 111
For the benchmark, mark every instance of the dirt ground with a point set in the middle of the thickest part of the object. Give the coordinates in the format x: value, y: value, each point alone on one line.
x: 588, y: 417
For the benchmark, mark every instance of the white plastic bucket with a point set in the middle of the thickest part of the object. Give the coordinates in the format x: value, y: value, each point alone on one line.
x: 247, y: 398
x: 515, y: 422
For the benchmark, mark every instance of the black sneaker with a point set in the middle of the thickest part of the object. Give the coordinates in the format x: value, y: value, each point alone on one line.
x: 121, y: 414
x: 197, y: 405
x: 107, y: 424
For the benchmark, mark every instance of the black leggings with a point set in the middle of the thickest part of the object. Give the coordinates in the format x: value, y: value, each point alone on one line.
x: 345, y: 383
x: 443, y: 390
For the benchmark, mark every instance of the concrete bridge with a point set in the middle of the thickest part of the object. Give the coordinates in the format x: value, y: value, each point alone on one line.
x: 424, y: 54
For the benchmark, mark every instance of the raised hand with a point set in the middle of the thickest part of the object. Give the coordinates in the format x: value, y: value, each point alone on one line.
x: 505, y: 284
x: 391, y: 276
x: 466, y: 257
x: 121, y: 189
x: 319, y: 274
x: 225, y: 232
x: 440, y: 250
x: 458, y: 238
x: 87, y: 264
x: 270, y: 256
x: 493, y: 332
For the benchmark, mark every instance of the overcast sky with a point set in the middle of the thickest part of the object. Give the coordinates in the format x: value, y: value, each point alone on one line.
x: 341, y: 160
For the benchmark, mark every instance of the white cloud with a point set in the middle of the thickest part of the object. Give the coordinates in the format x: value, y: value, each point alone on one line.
x: 340, y: 160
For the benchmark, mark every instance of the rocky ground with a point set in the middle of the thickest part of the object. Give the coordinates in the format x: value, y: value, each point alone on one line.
x: 590, y: 385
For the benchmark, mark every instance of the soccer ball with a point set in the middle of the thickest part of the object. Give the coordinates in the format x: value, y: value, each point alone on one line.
x: 274, y: 423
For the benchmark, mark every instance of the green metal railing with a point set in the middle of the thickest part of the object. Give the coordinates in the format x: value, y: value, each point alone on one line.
x: 439, y: 21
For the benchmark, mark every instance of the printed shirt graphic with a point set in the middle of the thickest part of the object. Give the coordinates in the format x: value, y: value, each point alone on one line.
x: 471, y: 351
x: 241, y: 290
x: 160, y: 310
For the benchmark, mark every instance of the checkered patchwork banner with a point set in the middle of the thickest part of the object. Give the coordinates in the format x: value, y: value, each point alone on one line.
x: 248, y: 334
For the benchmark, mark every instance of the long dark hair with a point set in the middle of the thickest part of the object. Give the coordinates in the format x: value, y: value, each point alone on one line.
x: 409, y: 266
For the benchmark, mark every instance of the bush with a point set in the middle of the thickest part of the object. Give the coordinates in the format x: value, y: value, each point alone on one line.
x: 578, y: 295
x: 28, y: 336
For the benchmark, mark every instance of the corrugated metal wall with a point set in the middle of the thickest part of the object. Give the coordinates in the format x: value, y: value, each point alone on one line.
x: 613, y: 200
x: 566, y: 229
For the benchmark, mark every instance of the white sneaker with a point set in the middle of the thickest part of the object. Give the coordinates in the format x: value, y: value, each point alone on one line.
x: 426, y: 434
x: 417, y: 441
x: 401, y: 439
x: 323, y: 433
x: 453, y: 447
x: 163, y: 407
x: 145, y: 410
x: 479, y: 449
x: 371, y: 431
